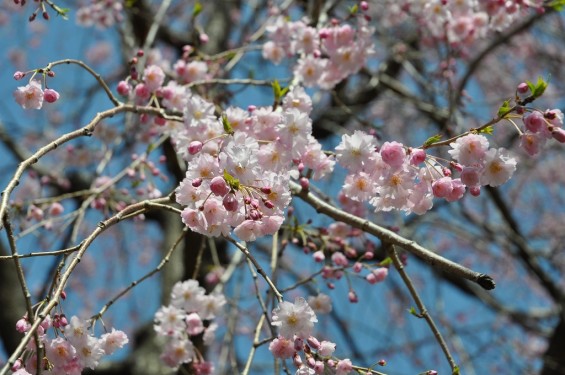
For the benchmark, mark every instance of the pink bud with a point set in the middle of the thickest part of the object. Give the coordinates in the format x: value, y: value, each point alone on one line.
x: 298, y: 344
x: 313, y: 342
x: 197, y: 182
x: 319, y: 256
x: 194, y: 147
x: 19, y: 75
x: 352, y: 296
x: 124, y: 88
x: 304, y: 183
x: 219, y: 186
x: 50, y: 95
x: 558, y: 134
x: 56, y: 209
x: 417, y: 156
x: 357, y: 267
x: 475, y: 191
x: 364, y: 6
x: 522, y: 88
x: 297, y: 360
x: 22, y: 325
x: 161, y: 121
x: 230, y: 202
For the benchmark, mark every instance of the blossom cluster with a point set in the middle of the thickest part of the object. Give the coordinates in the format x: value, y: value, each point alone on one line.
x: 100, y: 13
x: 326, y: 55
x: 460, y: 23
x: 240, y: 164
x: 188, y: 316
x: 296, y: 323
x: 73, y: 349
x: 32, y: 95
x: 539, y: 128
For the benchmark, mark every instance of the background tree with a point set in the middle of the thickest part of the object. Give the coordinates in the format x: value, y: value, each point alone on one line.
x: 91, y: 177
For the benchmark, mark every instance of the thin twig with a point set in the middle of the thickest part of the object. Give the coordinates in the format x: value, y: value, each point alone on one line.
x: 423, y: 312
x: 144, y: 277
x: 55, y: 295
x: 257, y: 267
x: 85, y: 131
x: 23, y: 285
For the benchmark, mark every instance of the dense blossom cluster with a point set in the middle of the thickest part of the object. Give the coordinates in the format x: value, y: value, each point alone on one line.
x: 460, y: 23
x: 240, y: 178
x: 401, y: 178
x: 326, y: 55
x: 188, y: 316
x: 296, y: 323
x: 72, y: 350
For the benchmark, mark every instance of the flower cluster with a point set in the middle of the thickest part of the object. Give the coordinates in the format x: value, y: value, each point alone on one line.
x: 539, y: 128
x: 186, y: 317
x: 73, y: 349
x: 460, y: 23
x: 100, y: 13
x: 391, y: 177
x: 32, y: 96
x: 296, y: 323
x: 328, y: 54
x: 240, y: 164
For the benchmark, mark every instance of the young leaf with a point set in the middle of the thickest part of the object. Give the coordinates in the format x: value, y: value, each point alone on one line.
x: 539, y: 88
x: 277, y: 91
x: 231, y: 181
x: 386, y: 262
x: 227, y: 126
x: 488, y: 130
x: 433, y: 139
x: 504, y: 108
x: 557, y: 5
x: 197, y: 9
x: 412, y: 311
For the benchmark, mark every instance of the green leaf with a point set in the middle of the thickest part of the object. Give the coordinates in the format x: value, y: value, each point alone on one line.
x: 277, y: 90
x: 197, y: 9
x: 455, y: 370
x: 413, y: 311
x: 504, y: 108
x: 130, y: 3
x: 433, y: 139
x: 538, y: 88
x: 227, y: 126
x: 557, y: 5
x: 354, y: 9
x: 386, y: 262
x: 63, y: 12
x: 488, y: 130
x: 231, y: 181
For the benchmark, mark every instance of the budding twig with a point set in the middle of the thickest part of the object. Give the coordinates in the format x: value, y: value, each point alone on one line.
x: 389, y: 236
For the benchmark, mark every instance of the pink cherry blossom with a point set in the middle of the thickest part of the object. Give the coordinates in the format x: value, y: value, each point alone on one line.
x: 282, y: 347
x: 470, y: 149
x: 30, y: 96
x: 296, y: 318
